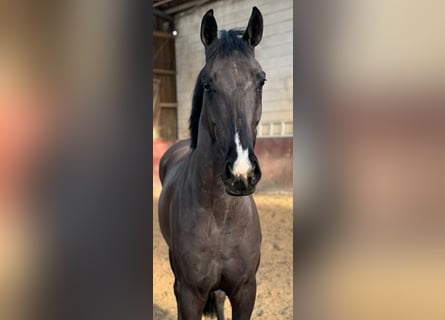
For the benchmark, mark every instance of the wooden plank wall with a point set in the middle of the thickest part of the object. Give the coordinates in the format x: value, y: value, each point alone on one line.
x: 164, y: 70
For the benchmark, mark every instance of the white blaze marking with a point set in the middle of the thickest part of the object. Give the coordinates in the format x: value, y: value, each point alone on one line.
x: 242, y: 165
x: 235, y: 67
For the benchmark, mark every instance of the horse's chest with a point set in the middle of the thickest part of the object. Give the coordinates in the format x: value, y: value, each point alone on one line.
x: 213, y: 250
x: 212, y: 244
x: 220, y: 258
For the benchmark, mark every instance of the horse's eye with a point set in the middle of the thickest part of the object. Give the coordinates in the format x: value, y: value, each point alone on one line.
x: 206, y: 86
x: 261, y: 84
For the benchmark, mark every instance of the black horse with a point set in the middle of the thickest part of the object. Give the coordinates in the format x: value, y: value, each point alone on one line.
x: 206, y: 211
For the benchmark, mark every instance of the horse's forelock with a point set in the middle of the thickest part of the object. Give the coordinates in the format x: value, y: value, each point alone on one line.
x: 229, y: 41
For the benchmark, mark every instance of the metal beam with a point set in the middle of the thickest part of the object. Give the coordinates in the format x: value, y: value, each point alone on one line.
x: 160, y: 3
x: 185, y: 6
x: 163, y: 15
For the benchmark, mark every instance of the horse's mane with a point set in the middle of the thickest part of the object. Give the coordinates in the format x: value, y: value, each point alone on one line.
x: 228, y: 42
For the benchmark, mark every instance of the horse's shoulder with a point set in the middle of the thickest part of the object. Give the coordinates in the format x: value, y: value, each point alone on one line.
x: 174, y: 155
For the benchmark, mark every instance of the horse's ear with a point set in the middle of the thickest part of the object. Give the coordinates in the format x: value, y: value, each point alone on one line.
x: 254, y: 31
x: 209, y: 28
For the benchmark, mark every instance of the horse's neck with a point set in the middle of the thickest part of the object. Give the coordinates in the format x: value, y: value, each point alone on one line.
x: 208, y: 187
x: 206, y: 169
x: 206, y: 166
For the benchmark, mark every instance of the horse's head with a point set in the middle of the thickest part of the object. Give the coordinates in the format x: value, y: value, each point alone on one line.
x: 229, y: 88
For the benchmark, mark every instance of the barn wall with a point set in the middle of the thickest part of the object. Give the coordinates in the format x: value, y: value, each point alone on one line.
x: 275, y: 54
x: 164, y: 74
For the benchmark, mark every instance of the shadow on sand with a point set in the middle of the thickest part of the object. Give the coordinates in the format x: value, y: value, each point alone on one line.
x: 162, y: 314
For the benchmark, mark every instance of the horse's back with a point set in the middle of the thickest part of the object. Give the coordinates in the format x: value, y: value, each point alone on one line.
x: 174, y: 155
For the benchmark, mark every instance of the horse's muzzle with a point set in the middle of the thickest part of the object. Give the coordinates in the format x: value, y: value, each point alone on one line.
x: 241, y: 184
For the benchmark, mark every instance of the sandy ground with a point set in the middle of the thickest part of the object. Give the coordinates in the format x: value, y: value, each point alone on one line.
x: 274, y: 293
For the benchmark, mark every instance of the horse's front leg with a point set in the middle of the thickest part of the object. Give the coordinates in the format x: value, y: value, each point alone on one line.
x: 220, y: 298
x: 191, y: 304
x: 176, y: 290
x: 243, y: 301
x: 176, y: 284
